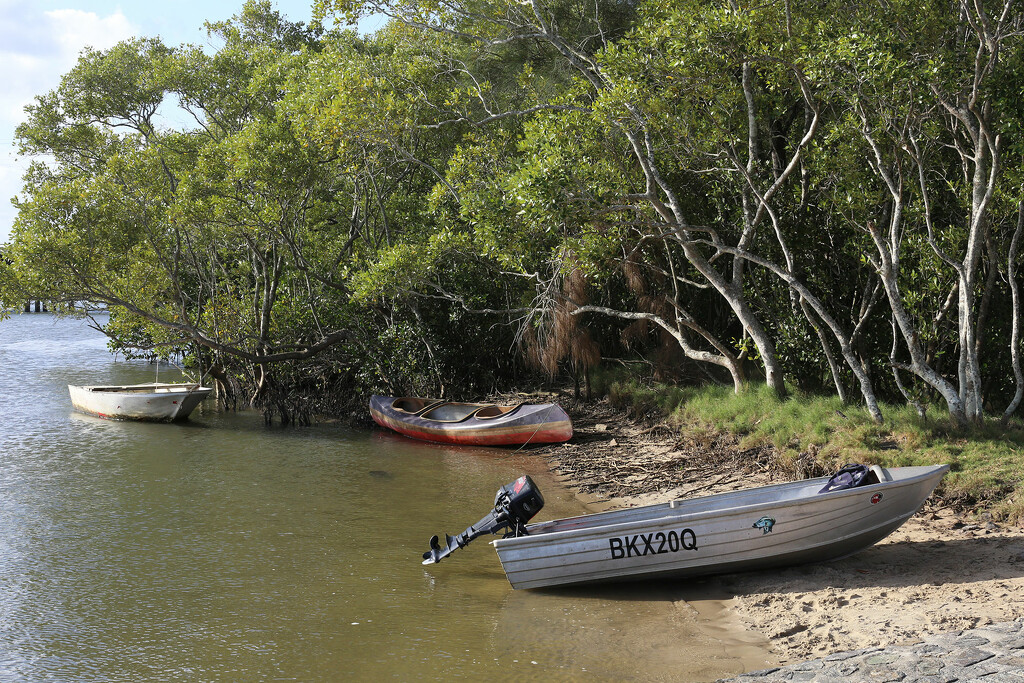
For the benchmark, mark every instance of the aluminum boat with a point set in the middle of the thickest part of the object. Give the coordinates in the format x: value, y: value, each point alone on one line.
x: 757, y: 528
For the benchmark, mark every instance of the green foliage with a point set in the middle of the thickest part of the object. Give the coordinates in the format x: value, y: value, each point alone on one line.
x: 396, y: 211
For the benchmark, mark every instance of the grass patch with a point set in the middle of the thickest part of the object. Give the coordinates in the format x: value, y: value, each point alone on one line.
x: 987, y: 467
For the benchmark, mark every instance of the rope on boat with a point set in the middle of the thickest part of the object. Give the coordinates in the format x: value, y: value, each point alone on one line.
x: 196, y: 384
x: 539, y: 425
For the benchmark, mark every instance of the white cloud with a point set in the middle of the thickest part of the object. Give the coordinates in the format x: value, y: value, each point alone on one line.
x: 74, y: 29
x: 36, y: 48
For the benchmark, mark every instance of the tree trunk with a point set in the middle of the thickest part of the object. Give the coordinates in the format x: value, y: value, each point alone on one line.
x: 833, y: 365
x: 1011, y: 271
x: 724, y: 359
x: 918, y: 365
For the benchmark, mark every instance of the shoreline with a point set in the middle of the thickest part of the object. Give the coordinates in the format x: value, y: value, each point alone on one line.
x: 938, y: 573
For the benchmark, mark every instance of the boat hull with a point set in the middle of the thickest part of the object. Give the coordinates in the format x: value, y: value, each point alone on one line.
x: 146, y: 402
x: 760, y: 528
x: 467, y: 423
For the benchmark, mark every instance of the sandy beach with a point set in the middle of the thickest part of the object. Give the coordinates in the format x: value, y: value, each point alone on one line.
x: 940, y: 572
x: 934, y: 575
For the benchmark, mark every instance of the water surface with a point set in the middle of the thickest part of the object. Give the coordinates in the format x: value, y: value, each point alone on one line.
x: 224, y: 550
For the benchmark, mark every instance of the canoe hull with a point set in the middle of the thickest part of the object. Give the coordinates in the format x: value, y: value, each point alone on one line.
x: 145, y: 402
x: 772, y: 526
x: 525, y: 424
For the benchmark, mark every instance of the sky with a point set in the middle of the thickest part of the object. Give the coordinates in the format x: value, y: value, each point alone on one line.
x: 41, y: 39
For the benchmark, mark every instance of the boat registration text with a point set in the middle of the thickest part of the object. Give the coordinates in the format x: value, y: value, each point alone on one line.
x: 652, y: 544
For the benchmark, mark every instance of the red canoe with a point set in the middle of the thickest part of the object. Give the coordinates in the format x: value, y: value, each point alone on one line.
x: 473, y: 424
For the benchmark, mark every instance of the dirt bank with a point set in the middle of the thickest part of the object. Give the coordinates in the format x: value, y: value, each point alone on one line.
x: 939, y: 572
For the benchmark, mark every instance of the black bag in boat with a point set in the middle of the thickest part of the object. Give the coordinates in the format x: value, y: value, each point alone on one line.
x: 850, y: 476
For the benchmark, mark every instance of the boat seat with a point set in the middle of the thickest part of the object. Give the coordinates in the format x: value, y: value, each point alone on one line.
x: 413, y: 405
x: 451, y: 412
x: 494, y: 411
x: 881, y: 473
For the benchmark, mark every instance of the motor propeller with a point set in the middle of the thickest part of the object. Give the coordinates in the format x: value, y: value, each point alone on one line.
x: 514, y: 505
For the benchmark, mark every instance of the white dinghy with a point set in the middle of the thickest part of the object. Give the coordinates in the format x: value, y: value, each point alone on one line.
x: 157, y: 402
x: 784, y: 524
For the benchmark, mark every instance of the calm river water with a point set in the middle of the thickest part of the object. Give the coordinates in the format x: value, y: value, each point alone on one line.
x: 224, y: 550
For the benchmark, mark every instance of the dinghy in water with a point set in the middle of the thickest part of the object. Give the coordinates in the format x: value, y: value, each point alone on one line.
x: 156, y: 402
x: 770, y: 526
x: 472, y: 424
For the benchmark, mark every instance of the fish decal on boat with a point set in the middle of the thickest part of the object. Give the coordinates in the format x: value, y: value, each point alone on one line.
x: 765, y: 524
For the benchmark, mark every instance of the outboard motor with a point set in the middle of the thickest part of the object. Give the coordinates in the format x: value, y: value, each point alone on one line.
x: 514, y: 505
